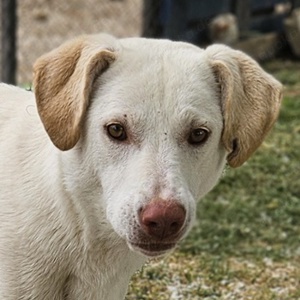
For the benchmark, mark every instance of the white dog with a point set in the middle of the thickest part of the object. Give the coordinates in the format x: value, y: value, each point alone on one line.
x: 101, y: 167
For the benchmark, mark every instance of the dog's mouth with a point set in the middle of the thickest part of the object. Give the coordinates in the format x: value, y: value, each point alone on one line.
x: 152, y: 249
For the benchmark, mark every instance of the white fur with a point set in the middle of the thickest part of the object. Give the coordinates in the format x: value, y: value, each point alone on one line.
x: 68, y: 219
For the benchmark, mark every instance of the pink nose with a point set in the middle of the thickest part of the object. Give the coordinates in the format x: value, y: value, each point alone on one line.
x: 162, y: 219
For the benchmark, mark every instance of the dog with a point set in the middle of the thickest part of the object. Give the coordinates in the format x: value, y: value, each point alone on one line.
x: 103, y: 164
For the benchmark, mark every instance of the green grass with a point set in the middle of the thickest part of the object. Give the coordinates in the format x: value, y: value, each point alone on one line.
x: 246, y: 243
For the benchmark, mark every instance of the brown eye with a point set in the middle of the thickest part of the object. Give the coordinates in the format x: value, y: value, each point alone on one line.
x: 116, y: 131
x: 198, y: 136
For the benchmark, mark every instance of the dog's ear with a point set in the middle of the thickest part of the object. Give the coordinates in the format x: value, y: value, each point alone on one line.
x: 63, y: 81
x: 250, y: 101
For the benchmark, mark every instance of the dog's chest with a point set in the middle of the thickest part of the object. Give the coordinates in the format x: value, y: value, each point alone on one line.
x: 103, y: 273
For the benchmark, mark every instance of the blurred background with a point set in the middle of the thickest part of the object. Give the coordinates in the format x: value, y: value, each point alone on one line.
x: 29, y: 28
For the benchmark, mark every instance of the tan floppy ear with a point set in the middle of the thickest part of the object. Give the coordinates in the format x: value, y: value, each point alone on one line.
x: 250, y: 101
x: 63, y: 81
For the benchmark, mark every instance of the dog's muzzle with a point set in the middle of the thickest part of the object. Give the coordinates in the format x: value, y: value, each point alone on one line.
x: 161, y: 226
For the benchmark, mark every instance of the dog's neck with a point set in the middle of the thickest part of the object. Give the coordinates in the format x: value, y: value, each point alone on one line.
x: 99, y: 244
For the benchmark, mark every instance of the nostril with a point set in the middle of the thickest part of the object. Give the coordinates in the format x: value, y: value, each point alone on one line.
x: 152, y: 224
x: 174, y: 225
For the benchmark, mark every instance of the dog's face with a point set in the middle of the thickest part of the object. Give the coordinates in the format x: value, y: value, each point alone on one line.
x: 158, y: 121
x: 157, y: 139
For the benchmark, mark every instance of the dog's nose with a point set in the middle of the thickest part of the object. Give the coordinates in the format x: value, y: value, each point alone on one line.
x: 162, y: 219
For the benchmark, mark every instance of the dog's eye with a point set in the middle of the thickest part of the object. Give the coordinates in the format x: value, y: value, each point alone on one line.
x: 198, y: 136
x: 116, y: 131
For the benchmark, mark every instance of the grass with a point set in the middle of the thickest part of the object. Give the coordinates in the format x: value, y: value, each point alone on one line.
x: 246, y: 243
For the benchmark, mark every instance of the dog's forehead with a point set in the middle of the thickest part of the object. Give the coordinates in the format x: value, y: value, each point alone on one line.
x: 159, y: 77
x: 173, y: 60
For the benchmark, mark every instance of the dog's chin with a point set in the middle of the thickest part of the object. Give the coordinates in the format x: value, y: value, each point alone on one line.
x: 152, y: 249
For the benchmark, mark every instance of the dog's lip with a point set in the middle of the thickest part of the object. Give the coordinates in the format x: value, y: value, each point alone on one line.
x: 152, y: 249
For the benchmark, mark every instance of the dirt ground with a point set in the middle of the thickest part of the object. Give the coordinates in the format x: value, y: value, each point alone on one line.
x: 45, y: 24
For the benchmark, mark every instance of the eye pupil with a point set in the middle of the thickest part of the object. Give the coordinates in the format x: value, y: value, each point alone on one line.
x: 198, y: 136
x: 116, y: 131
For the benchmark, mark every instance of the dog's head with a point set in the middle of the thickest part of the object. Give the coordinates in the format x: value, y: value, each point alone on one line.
x: 156, y: 122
